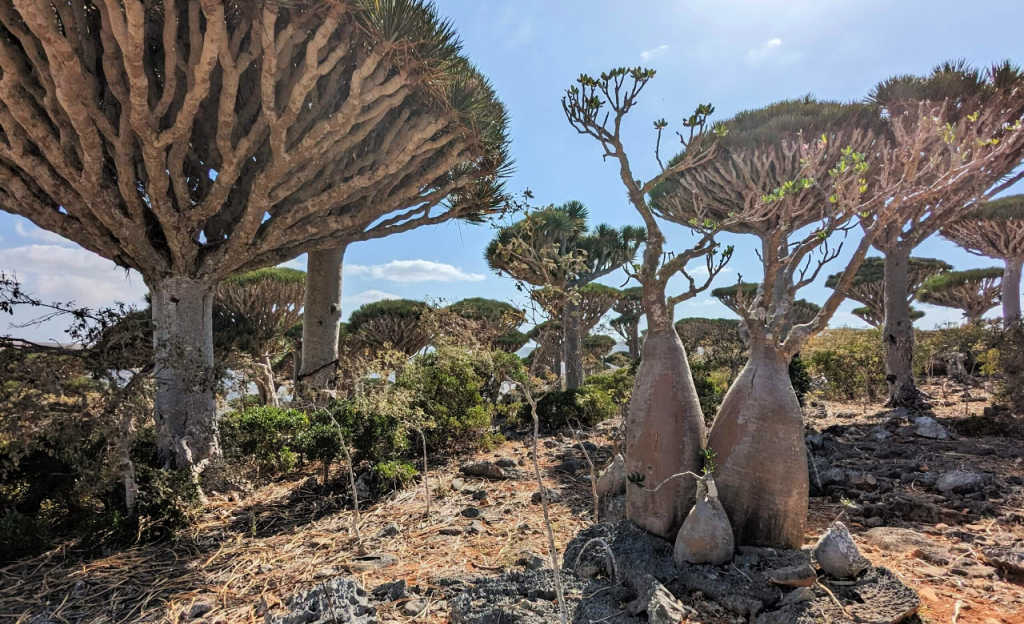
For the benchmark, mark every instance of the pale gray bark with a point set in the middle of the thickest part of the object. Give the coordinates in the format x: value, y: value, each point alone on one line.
x: 759, y: 456
x: 1011, y: 289
x: 572, y: 345
x: 898, y: 331
x: 321, y: 316
x: 664, y: 434
x: 186, y: 423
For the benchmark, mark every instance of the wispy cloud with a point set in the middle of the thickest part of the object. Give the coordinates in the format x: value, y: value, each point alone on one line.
x: 54, y: 272
x: 654, y: 53
x: 367, y: 296
x: 763, y: 51
x: 407, y: 271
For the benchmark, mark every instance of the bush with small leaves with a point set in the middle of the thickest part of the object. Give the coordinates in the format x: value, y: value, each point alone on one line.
x: 849, y: 363
x: 392, y: 475
x: 583, y: 407
x: 263, y: 435
x: 322, y: 441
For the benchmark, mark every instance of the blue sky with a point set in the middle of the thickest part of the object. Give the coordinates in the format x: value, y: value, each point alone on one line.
x: 736, y: 54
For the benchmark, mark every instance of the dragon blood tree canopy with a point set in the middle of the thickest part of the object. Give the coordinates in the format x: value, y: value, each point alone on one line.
x: 868, y: 285
x: 193, y: 139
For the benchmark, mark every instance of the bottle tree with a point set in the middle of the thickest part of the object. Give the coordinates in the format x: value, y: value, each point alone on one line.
x: 799, y: 175
x: 258, y: 308
x: 194, y: 139
x: 957, y: 93
x: 996, y: 229
x: 552, y: 250
x: 868, y: 286
x: 630, y: 308
x: 974, y: 291
x: 664, y: 425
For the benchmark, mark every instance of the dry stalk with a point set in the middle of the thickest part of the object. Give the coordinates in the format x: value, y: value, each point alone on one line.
x: 608, y: 550
x: 426, y: 480
x: 593, y: 472
x: 552, y: 550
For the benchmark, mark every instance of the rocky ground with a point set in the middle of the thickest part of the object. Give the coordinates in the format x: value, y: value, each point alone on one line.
x: 940, y: 504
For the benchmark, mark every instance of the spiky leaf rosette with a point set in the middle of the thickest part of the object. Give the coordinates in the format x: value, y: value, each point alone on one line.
x: 266, y: 302
x: 995, y: 229
x: 398, y: 323
x: 868, y: 285
x: 201, y: 138
x: 975, y: 291
x: 594, y: 301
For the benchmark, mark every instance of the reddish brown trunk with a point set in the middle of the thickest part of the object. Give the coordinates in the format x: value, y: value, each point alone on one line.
x: 760, y: 461
x: 664, y: 434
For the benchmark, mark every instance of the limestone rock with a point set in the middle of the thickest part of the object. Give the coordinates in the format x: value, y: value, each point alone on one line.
x: 794, y: 576
x: 486, y: 469
x: 838, y: 555
x: 338, y: 601
x: 959, y: 481
x: 928, y: 427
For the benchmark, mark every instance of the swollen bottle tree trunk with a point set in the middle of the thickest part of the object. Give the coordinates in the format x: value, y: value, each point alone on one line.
x: 898, y: 331
x: 759, y: 456
x: 572, y: 345
x: 186, y: 423
x: 1011, y: 289
x: 321, y: 318
x: 664, y: 428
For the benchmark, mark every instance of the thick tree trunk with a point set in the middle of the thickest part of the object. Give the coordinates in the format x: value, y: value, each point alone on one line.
x: 898, y: 332
x: 664, y: 432
x: 1011, y: 289
x: 186, y: 415
x: 572, y: 345
x: 759, y: 456
x: 265, y: 382
x: 321, y: 315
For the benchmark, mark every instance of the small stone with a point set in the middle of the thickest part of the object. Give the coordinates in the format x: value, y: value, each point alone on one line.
x: 486, y: 469
x: 896, y: 539
x: 553, y: 496
x: 479, y: 495
x: 199, y: 609
x: 612, y: 479
x: 414, y: 607
x: 874, y: 521
x: 928, y: 427
x: 959, y: 481
x: 530, y: 561
x: 833, y: 475
x: 880, y: 434
x: 659, y: 603
x: 862, y: 480
x: 471, y: 512
x: 505, y: 462
x: 800, y: 594
x: 837, y: 554
x: 476, y: 528
x: 458, y: 484
x: 372, y: 562
x: 1005, y: 558
x: 390, y: 530
x: 395, y: 590
x: 794, y: 576
x: 450, y: 531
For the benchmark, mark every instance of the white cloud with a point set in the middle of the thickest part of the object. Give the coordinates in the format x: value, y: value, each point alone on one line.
x: 414, y: 271
x: 295, y: 263
x: 367, y: 296
x: 32, y: 232
x: 654, y: 53
x: 761, y: 52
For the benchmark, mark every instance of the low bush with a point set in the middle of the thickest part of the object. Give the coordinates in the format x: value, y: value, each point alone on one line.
x: 848, y: 364
x: 584, y: 407
x: 263, y: 435
x: 617, y: 383
x: 799, y: 378
x: 392, y: 475
x: 711, y: 385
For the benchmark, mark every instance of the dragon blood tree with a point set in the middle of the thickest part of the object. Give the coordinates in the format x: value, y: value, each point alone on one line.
x: 496, y: 320
x: 260, y: 307
x: 551, y: 250
x: 399, y: 324
x: 963, y: 101
x: 664, y: 425
x: 630, y: 307
x: 798, y: 175
x: 548, y: 352
x: 974, y: 291
x: 868, y: 286
x: 194, y: 139
x: 996, y: 229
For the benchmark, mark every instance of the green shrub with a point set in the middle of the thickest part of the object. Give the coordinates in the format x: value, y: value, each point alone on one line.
x: 264, y: 435
x: 617, y: 383
x: 970, y: 339
x: 1006, y: 349
x: 799, y: 378
x: 322, y: 441
x: 711, y: 387
x: 456, y: 389
x: 584, y: 407
x: 374, y: 424
x: 849, y: 362
x: 393, y: 475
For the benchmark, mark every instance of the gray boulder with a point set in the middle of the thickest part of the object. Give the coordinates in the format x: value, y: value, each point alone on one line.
x: 337, y: 601
x: 838, y: 555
